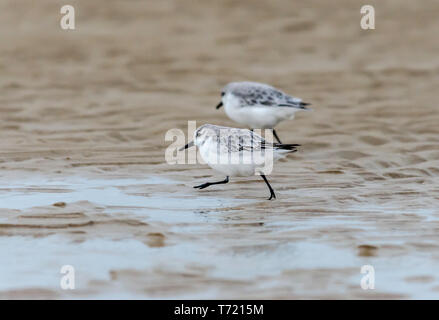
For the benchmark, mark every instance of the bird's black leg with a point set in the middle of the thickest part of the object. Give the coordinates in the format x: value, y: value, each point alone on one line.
x: 208, y: 184
x: 275, y: 135
x: 272, y: 195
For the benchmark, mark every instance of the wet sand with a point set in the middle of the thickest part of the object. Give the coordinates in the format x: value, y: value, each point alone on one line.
x: 84, y: 182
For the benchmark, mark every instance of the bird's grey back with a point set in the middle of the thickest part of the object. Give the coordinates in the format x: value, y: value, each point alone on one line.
x: 259, y: 94
x: 233, y: 139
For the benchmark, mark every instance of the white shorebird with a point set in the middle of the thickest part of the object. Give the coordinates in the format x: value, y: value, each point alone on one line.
x: 237, y: 152
x: 259, y: 105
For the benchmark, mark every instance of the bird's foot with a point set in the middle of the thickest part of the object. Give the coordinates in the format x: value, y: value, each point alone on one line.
x: 272, y: 196
x: 202, y: 186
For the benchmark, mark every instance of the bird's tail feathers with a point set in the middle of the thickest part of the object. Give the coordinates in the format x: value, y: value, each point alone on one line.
x: 303, y: 105
x: 297, y: 105
x: 286, y: 147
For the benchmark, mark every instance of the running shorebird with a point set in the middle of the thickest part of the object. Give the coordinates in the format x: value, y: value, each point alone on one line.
x: 258, y: 105
x: 237, y: 152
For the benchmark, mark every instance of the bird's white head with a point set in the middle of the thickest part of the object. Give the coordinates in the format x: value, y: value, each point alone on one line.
x: 227, y: 93
x: 204, y: 133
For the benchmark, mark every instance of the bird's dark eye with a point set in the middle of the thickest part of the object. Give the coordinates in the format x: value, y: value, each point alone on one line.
x: 222, y: 94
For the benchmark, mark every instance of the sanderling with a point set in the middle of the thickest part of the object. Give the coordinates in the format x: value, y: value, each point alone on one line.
x: 237, y: 152
x: 258, y: 105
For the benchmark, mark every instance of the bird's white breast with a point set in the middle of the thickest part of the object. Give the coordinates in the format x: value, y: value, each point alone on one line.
x: 256, y: 116
x: 240, y: 164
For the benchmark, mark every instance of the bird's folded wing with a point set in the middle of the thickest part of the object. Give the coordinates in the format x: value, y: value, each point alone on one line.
x: 269, y: 97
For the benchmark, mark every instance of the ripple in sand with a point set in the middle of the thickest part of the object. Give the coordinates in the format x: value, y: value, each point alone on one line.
x: 374, y: 141
x: 366, y: 250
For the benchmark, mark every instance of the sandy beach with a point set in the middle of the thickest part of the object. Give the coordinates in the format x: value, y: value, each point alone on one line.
x: 83, y: 176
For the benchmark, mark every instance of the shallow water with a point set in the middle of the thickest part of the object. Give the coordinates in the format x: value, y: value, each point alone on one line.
x: 201, y: 240
x: 114, y: 194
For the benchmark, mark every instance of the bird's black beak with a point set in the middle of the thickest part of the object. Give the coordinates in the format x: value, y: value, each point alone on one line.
x: 219, y: 105
x: 190, y: 144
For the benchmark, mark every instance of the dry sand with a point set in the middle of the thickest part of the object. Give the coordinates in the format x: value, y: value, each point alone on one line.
x: 83, y: 119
